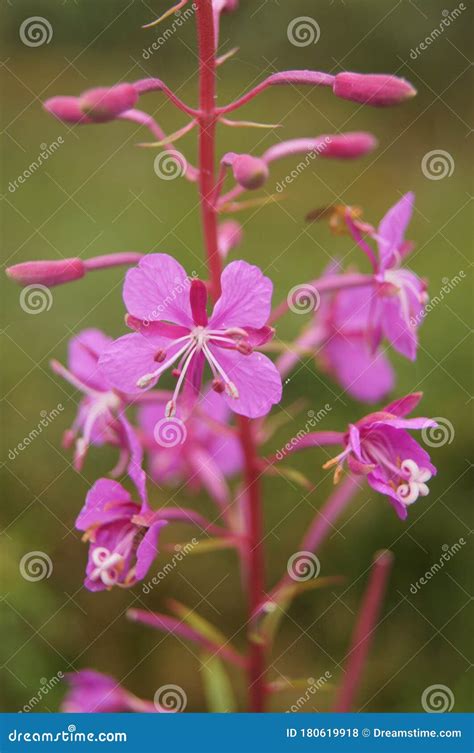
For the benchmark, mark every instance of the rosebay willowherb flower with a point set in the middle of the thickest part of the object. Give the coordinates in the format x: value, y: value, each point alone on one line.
x: 208, y: 339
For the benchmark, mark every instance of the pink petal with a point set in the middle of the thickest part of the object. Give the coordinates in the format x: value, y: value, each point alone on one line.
x: 98, y: 500
x: 131, y: 357
x: 404, y: 405
x: 158, y: 290
x: 398, y: 331
x: 83, y: 355
x: 365, y: 375
x: 245, y: 300
x: 148, y: 549
x: 256, y: 378
x: 393, y: 227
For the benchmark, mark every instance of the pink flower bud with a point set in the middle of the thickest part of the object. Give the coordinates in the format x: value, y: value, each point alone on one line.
x: 93, y: 106
x: 375, y: 89
x: 104, y: 104
x: 229, y: 236
x: 47, y: 273
x: 249, y: 172
x: 66, y: 109
x: 349, y: 145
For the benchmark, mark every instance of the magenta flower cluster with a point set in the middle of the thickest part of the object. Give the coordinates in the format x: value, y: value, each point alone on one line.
x: 209, y: 338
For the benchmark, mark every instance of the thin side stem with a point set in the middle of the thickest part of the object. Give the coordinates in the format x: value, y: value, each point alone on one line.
x: 364, y: 630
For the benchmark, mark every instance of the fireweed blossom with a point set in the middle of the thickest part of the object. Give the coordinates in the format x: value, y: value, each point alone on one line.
x: 100, y: 418
x: 184, y: 337
x: 93, y: 692
x: 122, y: 535
x: 338, y: 338
x: 208, y: 454
x: 399, y: 294
x: 380, y: 448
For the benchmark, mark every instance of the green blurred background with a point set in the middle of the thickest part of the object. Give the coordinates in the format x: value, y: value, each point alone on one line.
x: 98, y: 194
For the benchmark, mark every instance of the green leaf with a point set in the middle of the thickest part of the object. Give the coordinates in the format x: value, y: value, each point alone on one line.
x: 200, y: 624
x: 217, y: 687
x: 205, y: 545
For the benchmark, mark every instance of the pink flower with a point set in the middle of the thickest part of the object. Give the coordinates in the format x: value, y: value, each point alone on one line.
x: 122, y: 535
x: 169, y: 313
x: 202, y: 454
x: 339, y: 338
x: 100, y: 419
x: 93, y: 692
x: 379, y: 447
x: 399, y: 294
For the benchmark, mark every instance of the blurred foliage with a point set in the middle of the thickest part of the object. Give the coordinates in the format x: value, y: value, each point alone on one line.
x: 98, y: 194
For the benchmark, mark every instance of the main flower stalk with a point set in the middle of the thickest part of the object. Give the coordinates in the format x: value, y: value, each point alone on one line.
x: 252, y: 558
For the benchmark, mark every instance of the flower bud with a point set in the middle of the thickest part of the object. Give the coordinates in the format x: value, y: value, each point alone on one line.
x: 102, y: 104
x: 249, y: 172
x: 47, y: 273
x: 66, y: 109
x: 349, y: 145
x: 375, y: 89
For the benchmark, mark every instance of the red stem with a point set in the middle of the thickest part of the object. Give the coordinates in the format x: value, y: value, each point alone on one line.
x: 253, y: 559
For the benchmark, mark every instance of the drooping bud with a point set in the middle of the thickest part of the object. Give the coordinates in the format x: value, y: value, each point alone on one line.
x: 378, y: 90
x: 47, y: 273
x: 249, y: 172
x: 340, y: 146
x: 93, y: 106
x: 103, y: 104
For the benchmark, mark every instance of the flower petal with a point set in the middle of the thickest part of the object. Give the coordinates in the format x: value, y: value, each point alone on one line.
x: 83, y: 355
x: 158, y: 290
x: 365, y: 375
x: 392, y: 229
x: 107, y: 500
x: 148, y: 549
x: 131, y: 357
x: 245, y: 300
x: 256, y: 378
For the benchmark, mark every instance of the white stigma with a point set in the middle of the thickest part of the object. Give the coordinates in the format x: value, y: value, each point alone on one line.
x: 415, y: 484
x: 108, y: 566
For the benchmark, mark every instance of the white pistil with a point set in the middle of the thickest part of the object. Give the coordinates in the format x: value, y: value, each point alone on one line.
x: 108, y: 566
x: 415, y: 484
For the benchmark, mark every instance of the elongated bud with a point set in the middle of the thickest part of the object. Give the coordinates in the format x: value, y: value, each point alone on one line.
x: 340, y: 146
x: 93, y: 106
x: 375, y: 89
x: 249, y: 172
x: 47, y: 273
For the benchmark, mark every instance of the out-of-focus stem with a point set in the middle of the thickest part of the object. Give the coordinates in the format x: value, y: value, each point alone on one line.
x: 364, y: 630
